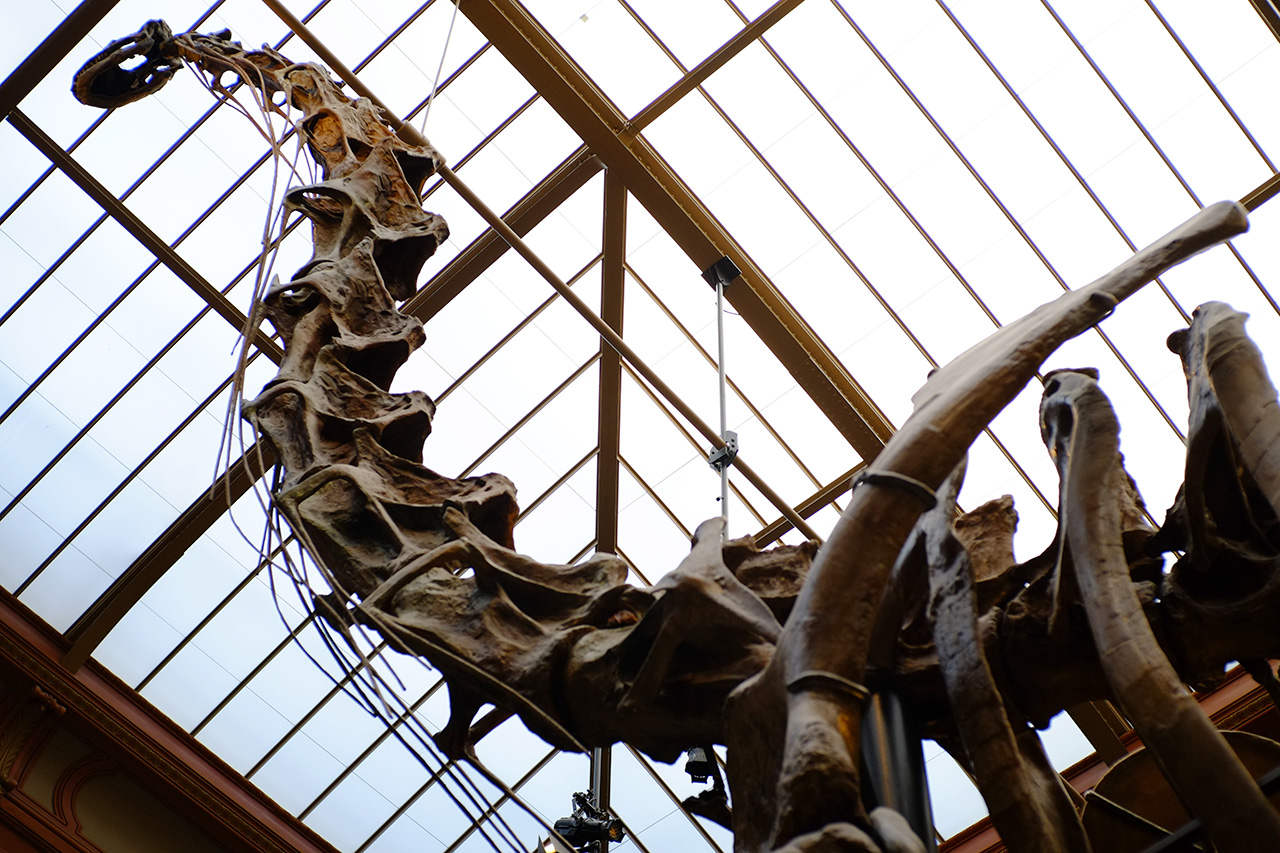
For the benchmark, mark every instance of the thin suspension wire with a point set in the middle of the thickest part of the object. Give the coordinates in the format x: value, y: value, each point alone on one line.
x: 733, y: 386
x: 453, y: 17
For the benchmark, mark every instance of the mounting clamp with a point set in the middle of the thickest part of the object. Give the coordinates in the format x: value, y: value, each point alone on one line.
x: 721, y: 272
x: 721, y: 458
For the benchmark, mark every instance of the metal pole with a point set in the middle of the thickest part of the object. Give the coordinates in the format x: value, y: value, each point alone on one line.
x: 601, y: 773
x: 724, y: 415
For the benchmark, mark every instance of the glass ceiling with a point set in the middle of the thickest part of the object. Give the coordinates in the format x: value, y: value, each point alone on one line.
x: 901, y: 177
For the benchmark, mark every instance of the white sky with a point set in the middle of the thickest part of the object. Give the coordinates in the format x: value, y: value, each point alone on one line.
x: 829, y: 229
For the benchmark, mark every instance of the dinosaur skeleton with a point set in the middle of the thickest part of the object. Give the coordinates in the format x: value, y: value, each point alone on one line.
x: 769, y: 651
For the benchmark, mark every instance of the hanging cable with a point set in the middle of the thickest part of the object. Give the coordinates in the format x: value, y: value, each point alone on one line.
x: 435, y: 84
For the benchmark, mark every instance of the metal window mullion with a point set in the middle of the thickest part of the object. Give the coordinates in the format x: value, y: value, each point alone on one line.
x: 289, y: 638
x: 129, y: 478
x: 337, y: 688
x: 520, y: 783
x: 263, y: 563
x: 519, y: 327
x: 653, y: 495
x: 706, y: 836
x: 1022, y: 232
x: 1213, y: 87
x: 377, y: 742
x: 613, y: 290
x: 826, y: 496
x: 49, y: 170
x: 564, y: 478
x: 694, y: 78
x: 582, y: 553
x: 466, y: 472
x: 1155, y: 146
x: 632, y: 565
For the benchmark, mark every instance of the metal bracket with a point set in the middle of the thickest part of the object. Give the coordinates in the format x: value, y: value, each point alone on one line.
x: 721, y: 458
x: 722, y: 271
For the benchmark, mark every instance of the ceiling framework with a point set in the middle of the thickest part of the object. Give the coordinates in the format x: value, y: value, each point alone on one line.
x: 614, y: 143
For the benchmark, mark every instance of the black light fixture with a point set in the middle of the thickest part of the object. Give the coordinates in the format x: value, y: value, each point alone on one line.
x: 700, y: 765
x: 585, y: 829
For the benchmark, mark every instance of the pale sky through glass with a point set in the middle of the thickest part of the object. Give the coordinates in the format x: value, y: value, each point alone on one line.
x: 908, y: 175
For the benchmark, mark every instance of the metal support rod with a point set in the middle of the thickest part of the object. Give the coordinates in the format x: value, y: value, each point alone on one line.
x: 601, y: 774
x: 892, y: 755
x: 615, y: 341
x: 724, y: 414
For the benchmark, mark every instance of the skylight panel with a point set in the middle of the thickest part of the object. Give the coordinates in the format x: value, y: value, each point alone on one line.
x: 946, y: 320
x: 534, y: 143
x: 190, y: 686
x: 298, y: 772
x: 486, y: 93
x: 955, y: 802
x: 649, y: 812
x: 61, y: 596
x: 899, y: 369
x: 650, y: 539
x: 563, y: 523
x: 429, y: 824
x: 24, y: 31
x: 614, y: 51
x: 351, y: 813
x: 403, y: 73
x: 246, y: 728
x: 50, y: 219
x: 691, y: 30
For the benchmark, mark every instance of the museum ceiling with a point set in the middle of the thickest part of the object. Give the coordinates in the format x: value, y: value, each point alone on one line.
x: 892, y: 181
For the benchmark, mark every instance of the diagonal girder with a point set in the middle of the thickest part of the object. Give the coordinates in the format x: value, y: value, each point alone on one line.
x: 607, y: 132
x: 610, y: 422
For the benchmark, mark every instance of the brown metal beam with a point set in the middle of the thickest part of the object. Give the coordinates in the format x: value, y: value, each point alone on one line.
x: 1269, y: 14
x: 612, y: 286
x: 51, y: 51
x: 537, y: 56
x: 713, y: 63
x: 485, y: 250
x: 810, y: 505
x: 143, y: 234
x: 146, y: 744
x: 132, y: 584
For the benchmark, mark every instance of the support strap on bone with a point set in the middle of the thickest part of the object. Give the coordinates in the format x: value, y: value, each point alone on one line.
x: 901, y: 481
x: 816, y: 679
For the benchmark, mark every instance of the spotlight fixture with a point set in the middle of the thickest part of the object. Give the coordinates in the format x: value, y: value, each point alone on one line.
x: 700, y: 765
x: 585, y: 829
